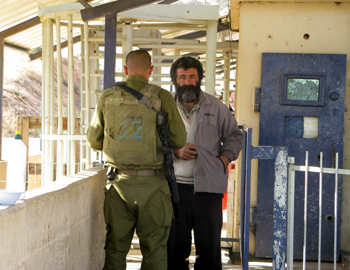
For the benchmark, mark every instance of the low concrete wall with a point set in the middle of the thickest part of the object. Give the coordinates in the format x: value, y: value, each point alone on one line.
x: 59, y: 226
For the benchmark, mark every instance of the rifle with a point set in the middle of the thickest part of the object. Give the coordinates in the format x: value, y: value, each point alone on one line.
x: 168, y: 164
x: 168, y: 160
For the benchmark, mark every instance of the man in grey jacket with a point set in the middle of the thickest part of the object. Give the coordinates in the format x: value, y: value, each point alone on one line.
x: 213, y: 141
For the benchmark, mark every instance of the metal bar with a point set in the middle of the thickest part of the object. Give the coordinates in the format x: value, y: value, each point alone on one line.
x: 247, y: 200
x: 113, y: 7
x: 226, y: 97
x: 324, y: 170
x: 320, y: 212
x: 20, y: 27
x: 15, y: 47
x: 46, y: 59
x: 127, y: 43
x: 84, y: 3
x: 280, y: 209
x: 63, y: 45
x: 336, y: 210
x: 71, y: 102
x: 76, y: 137
x: 52, y: 103
x: 172, y: 46
x: 87, y: 89
x: 243, y: 180
x: 43, y: 104
x: 290, y: 217
x: 305, y: 208
x: 110, y: 51
x: 211, y: 55
x: 60, y: 149
x: 83, y: 94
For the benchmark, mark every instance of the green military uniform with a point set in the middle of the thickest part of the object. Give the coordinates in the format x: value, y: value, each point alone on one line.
x: 139, y: 197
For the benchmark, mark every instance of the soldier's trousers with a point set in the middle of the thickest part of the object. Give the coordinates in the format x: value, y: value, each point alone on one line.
x: 141, y: 203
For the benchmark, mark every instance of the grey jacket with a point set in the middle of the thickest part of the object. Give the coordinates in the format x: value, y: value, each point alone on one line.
x: 217, y: 134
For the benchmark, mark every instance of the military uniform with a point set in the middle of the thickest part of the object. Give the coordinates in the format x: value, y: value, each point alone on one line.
x: 138, y: 197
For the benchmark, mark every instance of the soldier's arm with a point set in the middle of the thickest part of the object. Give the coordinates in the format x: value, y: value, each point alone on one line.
x: 175, y: 126
x: 95, y: 133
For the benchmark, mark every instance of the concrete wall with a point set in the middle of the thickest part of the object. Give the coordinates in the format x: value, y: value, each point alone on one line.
x: 60, y: 226
x: 279, y: 27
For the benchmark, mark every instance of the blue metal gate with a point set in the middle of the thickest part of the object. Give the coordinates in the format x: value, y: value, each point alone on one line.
x: 279, y: 235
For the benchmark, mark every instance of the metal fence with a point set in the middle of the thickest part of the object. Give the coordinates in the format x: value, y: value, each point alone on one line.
x: 291, y: 196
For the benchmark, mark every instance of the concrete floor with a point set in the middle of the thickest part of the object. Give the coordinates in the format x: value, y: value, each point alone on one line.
x: 134, y: 263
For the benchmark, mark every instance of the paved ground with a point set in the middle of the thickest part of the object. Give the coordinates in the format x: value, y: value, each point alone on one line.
x: 134, y: 263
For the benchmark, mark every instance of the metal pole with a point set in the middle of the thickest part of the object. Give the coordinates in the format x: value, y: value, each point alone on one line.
x: 210, y: 64
x: 71, y: 102
x: 336, y: 210
x: 305, y: 207
x: 320, y: 212
x: 46, y: 58
x: 227, y: 72
x: 127, y: 43
x: 87, y: 90
x: 51, y: 104
x: 156, y: 50
x: 280, y: 208
x: 290, y: 217
x: 60, y: 145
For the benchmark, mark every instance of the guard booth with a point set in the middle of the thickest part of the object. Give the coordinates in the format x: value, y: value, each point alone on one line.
x: 302, y: 107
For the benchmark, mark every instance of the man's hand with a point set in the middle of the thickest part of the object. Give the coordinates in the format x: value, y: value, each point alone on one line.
x: 225, y: 160
x: 187, y: 152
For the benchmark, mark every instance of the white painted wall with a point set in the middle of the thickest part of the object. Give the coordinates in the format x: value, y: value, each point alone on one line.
x: 59, y: 226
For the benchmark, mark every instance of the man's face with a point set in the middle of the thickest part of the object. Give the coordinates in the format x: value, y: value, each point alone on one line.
x: 187, y: 84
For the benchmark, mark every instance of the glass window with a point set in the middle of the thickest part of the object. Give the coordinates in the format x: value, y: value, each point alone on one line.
x: 306, y: 89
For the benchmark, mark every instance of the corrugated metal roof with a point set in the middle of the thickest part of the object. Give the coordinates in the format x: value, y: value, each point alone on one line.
x: 24, y: 14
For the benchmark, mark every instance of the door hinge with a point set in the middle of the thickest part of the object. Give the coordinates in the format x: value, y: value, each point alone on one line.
x: 257, y: 99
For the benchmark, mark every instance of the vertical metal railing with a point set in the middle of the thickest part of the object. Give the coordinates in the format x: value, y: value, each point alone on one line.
x: 291, y: 193
x: 245, y: 197
x: 280, y: 155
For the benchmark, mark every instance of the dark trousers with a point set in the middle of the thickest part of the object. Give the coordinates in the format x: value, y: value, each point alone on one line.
x: 201, y: 212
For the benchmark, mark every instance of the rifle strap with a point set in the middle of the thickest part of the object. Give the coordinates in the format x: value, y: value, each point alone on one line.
x: 146, y: 101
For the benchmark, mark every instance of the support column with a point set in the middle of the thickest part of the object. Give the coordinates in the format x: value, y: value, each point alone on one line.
x: 110, y: 50
x: 227, y: 73
x: 87, y: 91
x: 156, y: 51
x: 127, y: 43
x: 210, y: 64
x: 60, y: 143
x: 71, y: 102
x: 46, y: 101
x: 51, y: 104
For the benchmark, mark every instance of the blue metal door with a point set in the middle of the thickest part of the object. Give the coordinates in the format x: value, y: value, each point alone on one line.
x: 302, y: 107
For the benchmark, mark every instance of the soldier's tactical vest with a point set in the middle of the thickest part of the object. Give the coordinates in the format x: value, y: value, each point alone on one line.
x: 131, y: 136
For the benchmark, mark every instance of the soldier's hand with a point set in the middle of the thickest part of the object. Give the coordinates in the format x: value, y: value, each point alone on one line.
x: 187, y: 152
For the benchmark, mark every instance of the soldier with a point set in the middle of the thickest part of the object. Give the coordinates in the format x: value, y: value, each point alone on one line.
x: 138, y: 197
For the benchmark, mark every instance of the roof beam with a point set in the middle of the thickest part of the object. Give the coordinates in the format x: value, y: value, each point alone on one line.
x: 84, y: 3
x: 64, y: 44
x: 113, y: 7
x: 200, y: 34
x: 167, y: 2
x: 15, y: 47
x: 20, y: 27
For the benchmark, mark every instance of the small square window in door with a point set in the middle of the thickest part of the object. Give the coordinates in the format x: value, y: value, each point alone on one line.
x: 301, y: 127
